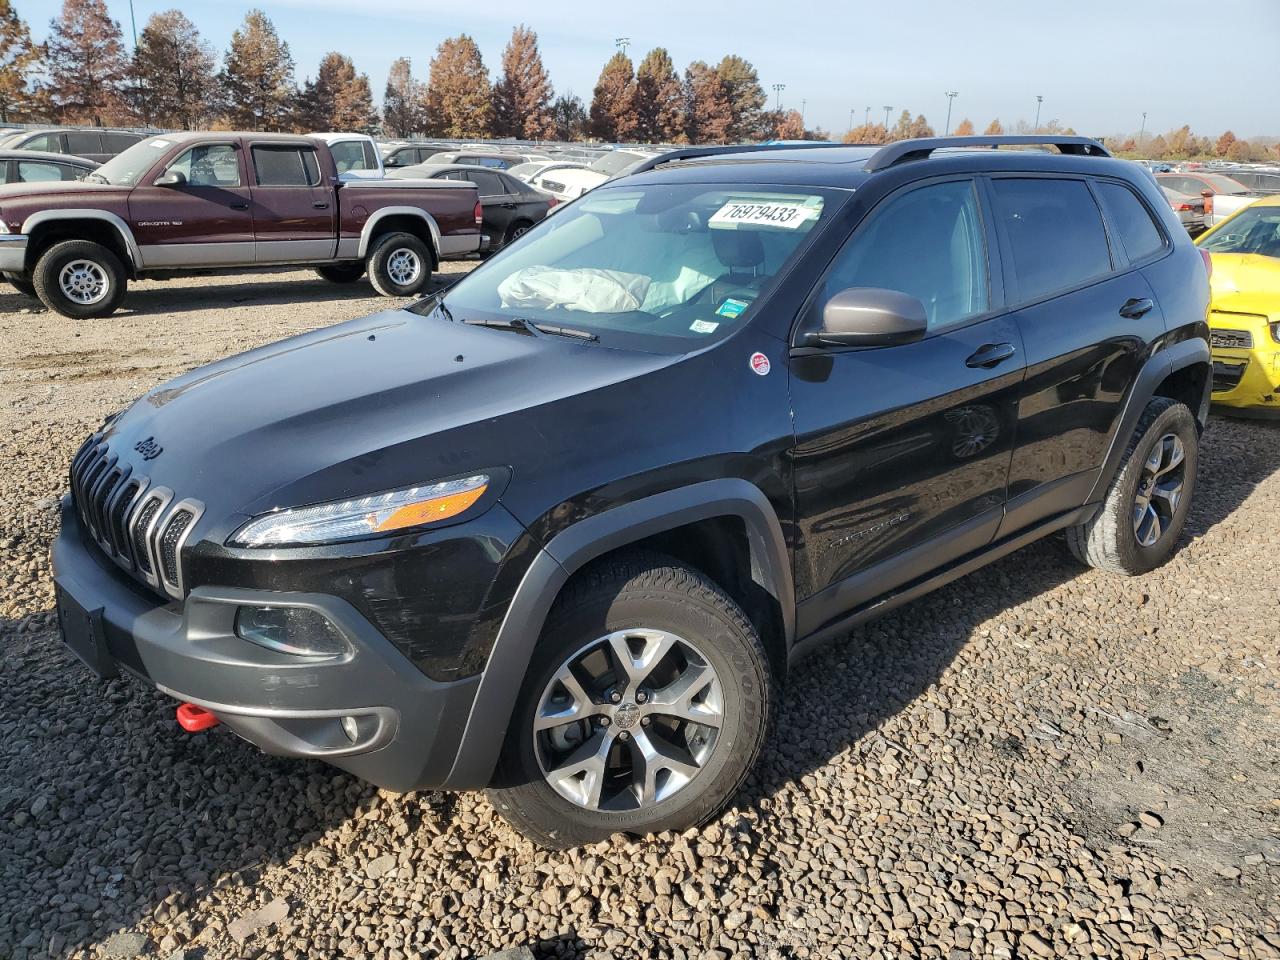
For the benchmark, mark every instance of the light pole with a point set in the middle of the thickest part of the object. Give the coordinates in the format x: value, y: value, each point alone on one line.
x: 778, y: 88
x: 887, y: 111
x: 851, y: 109
x: 1143, y: 132
x: 1039, y: 100
x: 622, y: 43
x: 866, y: 119
x: 951, y: 98
x: 802, y: 103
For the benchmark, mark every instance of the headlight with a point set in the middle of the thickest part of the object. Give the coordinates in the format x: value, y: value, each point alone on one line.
x: 363, y: 517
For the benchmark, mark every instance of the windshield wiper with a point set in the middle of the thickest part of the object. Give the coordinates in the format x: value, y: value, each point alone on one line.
x: 556, y: 330
x: 522, y: 325
x: 501, y: 323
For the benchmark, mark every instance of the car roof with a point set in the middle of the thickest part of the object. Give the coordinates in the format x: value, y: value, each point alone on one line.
x: 8, y: 154
x: 434, y: 168
x: 183, y: 136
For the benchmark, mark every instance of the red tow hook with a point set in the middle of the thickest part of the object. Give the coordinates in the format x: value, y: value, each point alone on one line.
x: 195, y: 719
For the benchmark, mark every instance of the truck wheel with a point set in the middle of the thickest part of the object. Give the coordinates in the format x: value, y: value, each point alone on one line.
x: 80, y: 279
x: 516, y: 231
x: 341, y: 272
x: 22, y: 285
x: 1146, y: 505
x: 643, y: 709
x: 400, y: 265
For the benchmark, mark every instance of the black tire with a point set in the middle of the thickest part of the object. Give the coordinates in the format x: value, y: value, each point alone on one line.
x: 388, y: 255
x: 1110, y: 541
x: 23, y: 286
x: 341, y: 272
x: 100, y: 261
x: 633, y: 592
x: 516, y: 230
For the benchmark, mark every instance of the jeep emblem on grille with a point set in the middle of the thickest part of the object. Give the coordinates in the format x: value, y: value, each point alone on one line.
x: 148, y: 448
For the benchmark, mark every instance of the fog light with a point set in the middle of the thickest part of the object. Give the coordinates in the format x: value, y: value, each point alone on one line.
x: 351, y: 728
x: 293, y: 630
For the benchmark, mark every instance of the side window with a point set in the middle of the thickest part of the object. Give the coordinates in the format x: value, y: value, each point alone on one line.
x: 80, y: 142
x: 488, y: 184
x: 37, y: 171
x: 286, y: 166
x: 50, y: 142
x: 119, y: 142
x: 468, y: 161
x: 1055, y: 233
x: 348, y: 155
x: 208, y: 165
x: 927, y: 243
x: 370, y: 156
x: 1139, y: 235
x: 493, y: 162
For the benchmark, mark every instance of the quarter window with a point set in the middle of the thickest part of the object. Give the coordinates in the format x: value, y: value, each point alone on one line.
x: 928, y: 244
x: 1138, y: 232
x: 286, y: 166
x: 1055, y: 234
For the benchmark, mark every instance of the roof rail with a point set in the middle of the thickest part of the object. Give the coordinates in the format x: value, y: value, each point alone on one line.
x: 905, y: 151
x: 693, y: 153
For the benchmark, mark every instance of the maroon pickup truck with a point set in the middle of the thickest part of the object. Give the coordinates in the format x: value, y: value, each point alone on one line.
x: 188, y: 203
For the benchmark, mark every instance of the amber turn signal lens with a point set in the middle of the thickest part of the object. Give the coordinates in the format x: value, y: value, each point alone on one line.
x: 429, y: 511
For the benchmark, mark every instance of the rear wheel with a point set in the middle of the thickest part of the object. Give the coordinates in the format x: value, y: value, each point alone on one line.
x: 341, y: 272
x: 516, y: 231
x: 80, y: 279
x: 400, y: 265
x: 643, y: 710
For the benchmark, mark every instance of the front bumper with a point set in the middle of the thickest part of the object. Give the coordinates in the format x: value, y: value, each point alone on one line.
x: 1248, y: 378
x: 408, y: 725
x: 13, y: 252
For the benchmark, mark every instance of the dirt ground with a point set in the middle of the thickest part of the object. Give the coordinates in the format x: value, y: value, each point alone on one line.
x: 1036, y: 761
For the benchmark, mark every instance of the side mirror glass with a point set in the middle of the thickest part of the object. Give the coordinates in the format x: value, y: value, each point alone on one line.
x: 174, y: 178
x: 871, y: 317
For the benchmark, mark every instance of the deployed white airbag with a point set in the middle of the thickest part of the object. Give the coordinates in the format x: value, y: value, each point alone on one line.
x: 586, y: 289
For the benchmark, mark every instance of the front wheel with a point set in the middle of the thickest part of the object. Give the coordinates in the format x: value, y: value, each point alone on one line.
x: 1139, y: 522
x: 400, y: 265
x: 643, y: 710
x: 80, y: 279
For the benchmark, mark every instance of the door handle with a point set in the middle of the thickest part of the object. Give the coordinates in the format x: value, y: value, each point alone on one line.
x: 990, y: 354
x: 1136, y: 307
x: 320, y: 205
x: 508, y: 206
x: 239, y: 206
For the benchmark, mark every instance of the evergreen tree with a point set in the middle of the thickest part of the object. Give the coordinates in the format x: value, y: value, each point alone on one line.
x: 19, y: 57
x: 746, y: 98
x: 459, y: 97
x: 176, y: 84
x: 403, y: 102
x: 522, y: 98
x: 659, y: 99
x: 86, y: 64
x: 708, y: 115
x: 338, y: 99
x: 613, y: 103
x: 257, y: 77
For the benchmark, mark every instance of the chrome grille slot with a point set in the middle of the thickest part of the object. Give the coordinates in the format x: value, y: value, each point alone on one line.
x: 1231, y: 339
x: 142, y: 528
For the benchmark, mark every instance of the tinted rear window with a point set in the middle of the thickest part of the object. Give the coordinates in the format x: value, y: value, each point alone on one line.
x: 119, y: 142
x: 81, y: 142
x: 1055, y: 231
x: 286, y: 166
x: 1138, y: 232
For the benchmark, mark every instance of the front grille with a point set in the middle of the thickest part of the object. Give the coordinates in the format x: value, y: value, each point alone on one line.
x: 1226, y: 376
x: 139, y: 526
x: 1231, y: 339
x: 555, y: 186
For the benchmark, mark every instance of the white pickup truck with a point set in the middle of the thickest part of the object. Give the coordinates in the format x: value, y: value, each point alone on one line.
x: 356, y: 155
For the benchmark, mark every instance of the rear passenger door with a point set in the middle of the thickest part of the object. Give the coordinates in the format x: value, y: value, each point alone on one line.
x: 293, y: 217
x: 1087, y: 318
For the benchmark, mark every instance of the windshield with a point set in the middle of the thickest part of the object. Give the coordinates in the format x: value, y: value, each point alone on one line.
x: 1252, y: 230
x: 666, y: 267
x: 616, y: 162
x: 124, y: 169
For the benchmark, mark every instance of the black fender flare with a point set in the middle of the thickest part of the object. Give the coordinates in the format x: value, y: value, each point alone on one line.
x: 1159, y: 366
x: 572, y: 549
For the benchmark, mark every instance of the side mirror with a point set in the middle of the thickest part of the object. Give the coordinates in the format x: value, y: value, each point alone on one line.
x: 871, y: 317
x: 174, y: 178
x: 391, y: 162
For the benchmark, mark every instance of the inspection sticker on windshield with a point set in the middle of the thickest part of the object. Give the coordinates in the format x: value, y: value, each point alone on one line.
x: 703, y: 326
x: 789, y: 216
x: 732, y: 308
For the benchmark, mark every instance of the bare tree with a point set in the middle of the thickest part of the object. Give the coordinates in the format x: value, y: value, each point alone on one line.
x: 570, y: 117
x: 403, y: 102
x: 522, y: 98
x: 257, y: 77
x: 613, y: 103
x: 174, y: 69
x: 86, y: 64
x: 459, y: 98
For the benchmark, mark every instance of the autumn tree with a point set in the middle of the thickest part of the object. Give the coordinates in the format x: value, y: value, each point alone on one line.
x: 1239, y: 151
x: 965, y: 129
x: 338, y: 99
x: 19, y: 57
x: 867, y: 133
x: 459, y: 97
x: 1156, y: 149
x: 708, y: 115
x: 659, y: 99
x: 522, y: 97
x: 86, y: 64
x: 403, y: 106
x: 174, y: 73
x: 1223, y: 146
x: 994, y: 129
x: 569, y: 118
x: 257, y: 77
x: 613, y: 102
x: 746, y: 97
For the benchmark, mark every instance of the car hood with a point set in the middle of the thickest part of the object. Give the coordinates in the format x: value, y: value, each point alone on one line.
x: 59, y: 188
x: 361, y: 407
x: 1244, y: 273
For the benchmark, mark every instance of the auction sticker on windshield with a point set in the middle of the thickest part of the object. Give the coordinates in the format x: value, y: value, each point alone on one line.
x: 788, y: 215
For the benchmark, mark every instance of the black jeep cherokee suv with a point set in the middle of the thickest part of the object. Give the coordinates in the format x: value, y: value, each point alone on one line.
x: 560, y: 531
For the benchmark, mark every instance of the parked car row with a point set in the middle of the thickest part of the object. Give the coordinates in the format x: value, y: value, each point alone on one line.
x: 509, y: 205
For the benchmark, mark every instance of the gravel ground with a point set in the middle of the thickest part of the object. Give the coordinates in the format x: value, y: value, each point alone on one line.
x: 1037, y: 761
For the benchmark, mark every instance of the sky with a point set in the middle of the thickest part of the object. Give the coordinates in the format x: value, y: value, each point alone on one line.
x: 1098, y: 64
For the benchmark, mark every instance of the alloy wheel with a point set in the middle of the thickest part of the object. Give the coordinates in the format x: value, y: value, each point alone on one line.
x: 1160, y: 487
x: 84, y: 282
x: 628, y: 720
x: 403, y: 267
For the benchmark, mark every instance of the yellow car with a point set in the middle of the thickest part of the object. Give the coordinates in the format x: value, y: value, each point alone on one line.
x: 1244, y: 312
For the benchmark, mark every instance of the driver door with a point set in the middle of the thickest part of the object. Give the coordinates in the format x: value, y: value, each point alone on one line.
x: 202, y: 221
